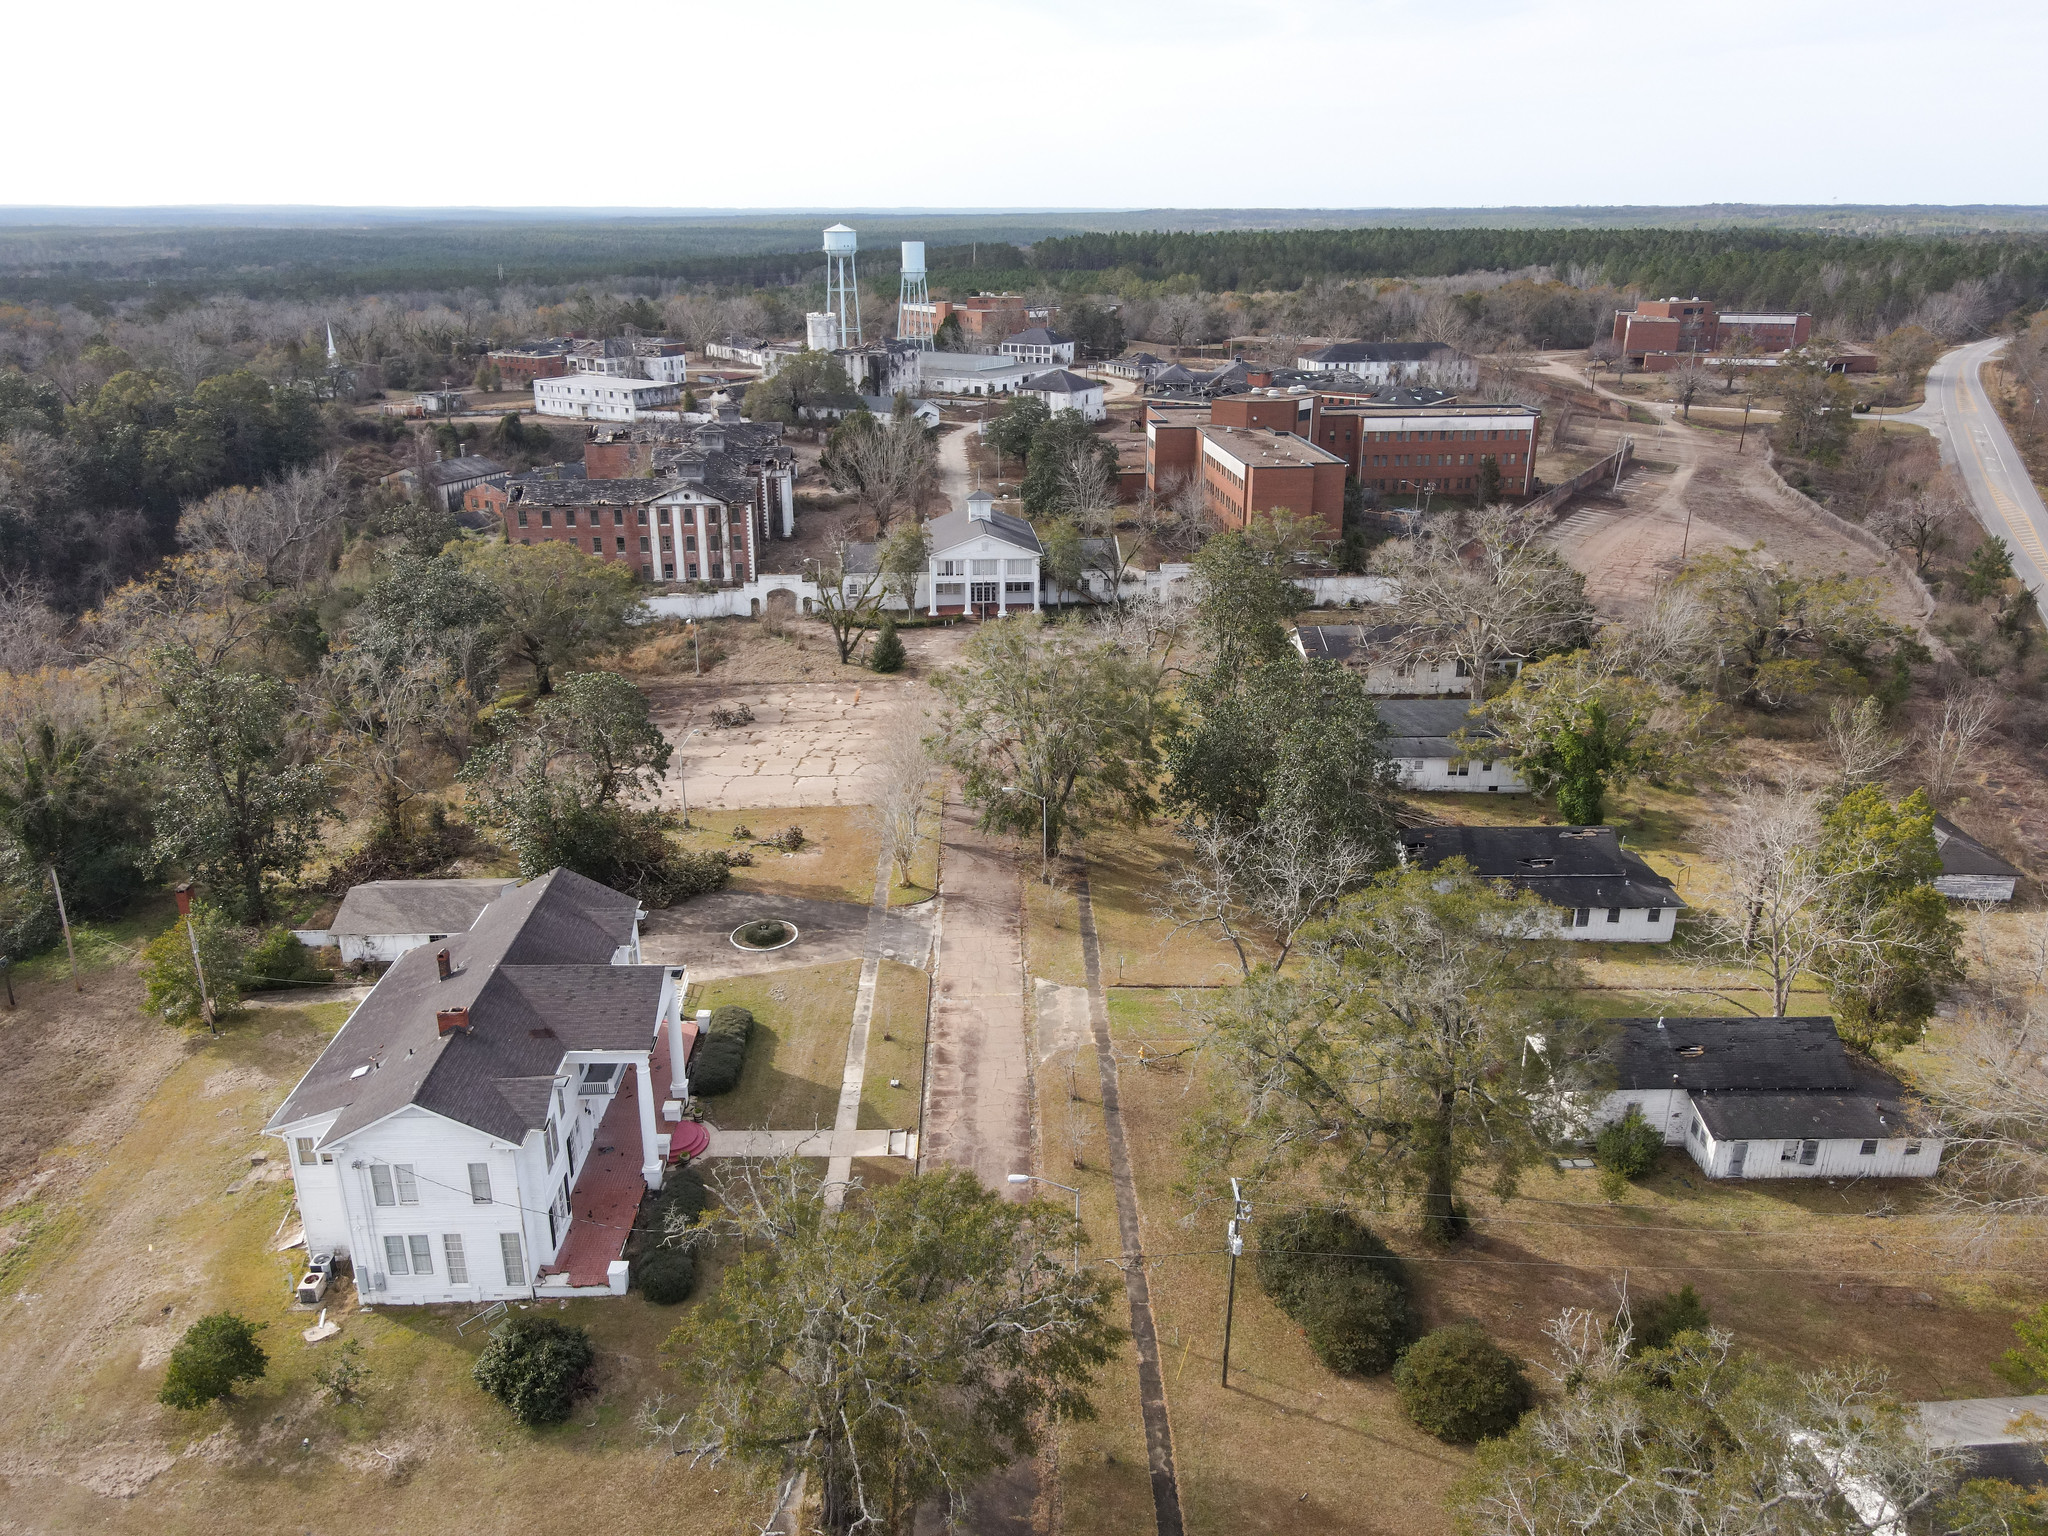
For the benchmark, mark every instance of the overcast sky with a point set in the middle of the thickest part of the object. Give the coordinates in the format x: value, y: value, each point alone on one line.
x: 1031, y: 103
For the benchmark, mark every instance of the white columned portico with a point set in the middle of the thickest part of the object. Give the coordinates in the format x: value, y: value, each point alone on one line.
x: 650, y: 1153
x: 676, y: 1078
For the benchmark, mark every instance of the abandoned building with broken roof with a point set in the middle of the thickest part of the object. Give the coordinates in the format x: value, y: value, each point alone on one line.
x: 485, y: 1123
x: 1756, y: 1098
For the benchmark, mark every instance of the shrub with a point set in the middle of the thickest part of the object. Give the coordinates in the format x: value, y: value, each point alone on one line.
x: 764, y: 933
x: 1659, y: 1321
x: 722, y: 1054
x: 171, y: 987
x: 536, y: 1368
x: 887, y: 655
x: 342, y: 1376
x: 668, y: 1275
x: 1329, y: 1272
x: 215, y: 1353
x: 1629, y: 1146
x: 1461, y: 1386
x: 280, y: 960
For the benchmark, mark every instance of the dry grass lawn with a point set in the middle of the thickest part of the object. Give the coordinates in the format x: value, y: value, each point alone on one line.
x: 798, y: 1054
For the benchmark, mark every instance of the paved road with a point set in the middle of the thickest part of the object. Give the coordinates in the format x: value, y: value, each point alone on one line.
x: 1961, y: 416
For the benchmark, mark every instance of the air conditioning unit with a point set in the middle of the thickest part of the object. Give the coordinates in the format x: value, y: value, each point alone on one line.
x: 312, y: 1287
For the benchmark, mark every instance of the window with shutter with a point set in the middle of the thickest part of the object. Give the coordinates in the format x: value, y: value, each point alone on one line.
x: 480, y: 1183
x: 458, y: 1265
x: 422, y: 1254
x: 408, y: 1186
x: 514, y: 1254
x: 394, y: 1255
x: 380, y: 1185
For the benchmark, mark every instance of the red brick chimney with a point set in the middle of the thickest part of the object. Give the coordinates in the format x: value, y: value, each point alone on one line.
x: 443, y: 964
x: 449, y: 1020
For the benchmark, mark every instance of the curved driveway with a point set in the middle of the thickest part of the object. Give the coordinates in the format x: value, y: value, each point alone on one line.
x: 1973, y: 439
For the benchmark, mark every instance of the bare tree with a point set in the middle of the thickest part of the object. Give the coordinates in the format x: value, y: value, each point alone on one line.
x: 902, y: 810
x: 1178, y: 515
x: 851, y: 590
x: 1777, y: 919
x: 290, y: 529
x: 1856, y: 738
x: 1262, y: 883
x: 1989, y: 1098
x: 1481, y: 589
x: 1180, y: 316
x: 889, y: 465
x: 1688, y: 381
x: 1926, y: 519
x: 30, y: 631
x: 1969, y: 711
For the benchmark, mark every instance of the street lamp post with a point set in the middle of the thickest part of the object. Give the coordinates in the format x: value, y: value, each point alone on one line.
x: 1242, y: 1212
x: 1032, y: 1178
x: 682, y: 784
x: 1044, y: 829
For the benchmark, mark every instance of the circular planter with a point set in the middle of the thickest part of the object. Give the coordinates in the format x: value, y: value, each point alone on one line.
x: 740, y: 940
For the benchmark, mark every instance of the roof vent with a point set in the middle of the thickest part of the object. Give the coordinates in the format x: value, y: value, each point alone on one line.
x: 449, y: 1020
x: 443, y: 964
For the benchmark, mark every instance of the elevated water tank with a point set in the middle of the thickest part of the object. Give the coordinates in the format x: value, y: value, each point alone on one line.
x: 913, y: 258
x: 841, y: 241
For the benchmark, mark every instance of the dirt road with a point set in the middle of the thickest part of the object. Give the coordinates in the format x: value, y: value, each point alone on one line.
x: 1693, y: 491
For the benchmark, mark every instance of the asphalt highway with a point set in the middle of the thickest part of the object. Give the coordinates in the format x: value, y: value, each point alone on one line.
x: 1961, y: 416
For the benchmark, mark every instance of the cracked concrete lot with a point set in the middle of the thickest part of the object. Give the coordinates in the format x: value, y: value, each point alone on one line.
x: 808, y: 744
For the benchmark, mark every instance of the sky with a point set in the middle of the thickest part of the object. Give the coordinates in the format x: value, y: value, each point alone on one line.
x: 1031, y: 103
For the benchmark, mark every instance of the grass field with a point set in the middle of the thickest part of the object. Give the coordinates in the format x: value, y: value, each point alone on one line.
x: 798, y: 1054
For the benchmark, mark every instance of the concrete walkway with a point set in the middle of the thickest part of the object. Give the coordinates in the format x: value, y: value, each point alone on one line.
x: 978, y: 1112
x: 841, y: 1147
x: 840, y: 1169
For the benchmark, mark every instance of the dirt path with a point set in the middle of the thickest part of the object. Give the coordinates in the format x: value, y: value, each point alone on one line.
x: 1691, y: 492
x: 978, y: 1090
x: 954, y: 477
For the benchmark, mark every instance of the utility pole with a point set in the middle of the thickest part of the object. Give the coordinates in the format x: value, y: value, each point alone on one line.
x: 64, y: 921
x: 192, y: 935
x: 1243, y: 1212
x: 1743, y: 436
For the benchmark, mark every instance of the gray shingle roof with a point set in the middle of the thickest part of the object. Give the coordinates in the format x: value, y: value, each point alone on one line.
x: 1724, y: 1055
x: 955, y: 527
x: 1800, y: 1116
x: 1040, y: 336
x: 1962, y: 854
x: 416, y: 906
x: 534, y: 972
x: 464, y: 467
x: 1058, y: 381
x: 586, y: 493
x: 1424, y: 727
x: 1566, y: 866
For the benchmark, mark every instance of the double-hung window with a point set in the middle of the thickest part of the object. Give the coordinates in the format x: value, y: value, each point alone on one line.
x: 305, y: 1146
x: 480, y: 1183
x: 458, y: 1265
x: 513, y: 1254
x: 393, y: 1184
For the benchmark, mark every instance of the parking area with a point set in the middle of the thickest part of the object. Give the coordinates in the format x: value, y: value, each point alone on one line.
x: 808, y: 743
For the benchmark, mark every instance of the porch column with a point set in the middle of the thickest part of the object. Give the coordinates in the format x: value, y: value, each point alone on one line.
x: 675, y: 1046
x: 1037, y: 586
x: 650, y: 1154
x: 933, y: 578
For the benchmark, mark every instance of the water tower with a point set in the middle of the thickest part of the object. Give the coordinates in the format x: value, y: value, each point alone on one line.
x: 913, y: 300
x: 842, y: 287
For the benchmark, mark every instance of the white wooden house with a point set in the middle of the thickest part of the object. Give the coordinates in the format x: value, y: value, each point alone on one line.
x: 1599, y: 889
x: 483, y: 1126
x: 1969, y: 870
x: 1758, y: 1099
x: 1065, y: 391
x: 380, y: 920
x: 1422, y: 739
x: 1374, y: 652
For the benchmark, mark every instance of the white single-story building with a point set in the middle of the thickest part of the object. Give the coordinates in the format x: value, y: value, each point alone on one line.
x: 1758, y: 1098
x: 970, y: 373
x: 1969, y: 870
x: 383, y: 919
x: 1435, y: 363
x: 1374, y: 652
x: 600, y: 397
x: 1064, y: 391
x: 1601, y: 891
x: 1039, y: 345
x: 1420, y: 740
x: 485, y: 1124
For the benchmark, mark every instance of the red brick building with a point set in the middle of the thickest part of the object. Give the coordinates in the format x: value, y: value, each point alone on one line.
x: 518, y: 367
x: 1674, y: 327
x: 1249, y: 470
x: 1396, y: 441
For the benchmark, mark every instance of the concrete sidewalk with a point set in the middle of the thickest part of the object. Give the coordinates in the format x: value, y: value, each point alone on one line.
x: 826, y: 1143
x: 978, y: 1112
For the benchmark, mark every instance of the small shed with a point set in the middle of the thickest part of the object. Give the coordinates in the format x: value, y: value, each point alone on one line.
x: 1969, y: 870
x: 382, y: 919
